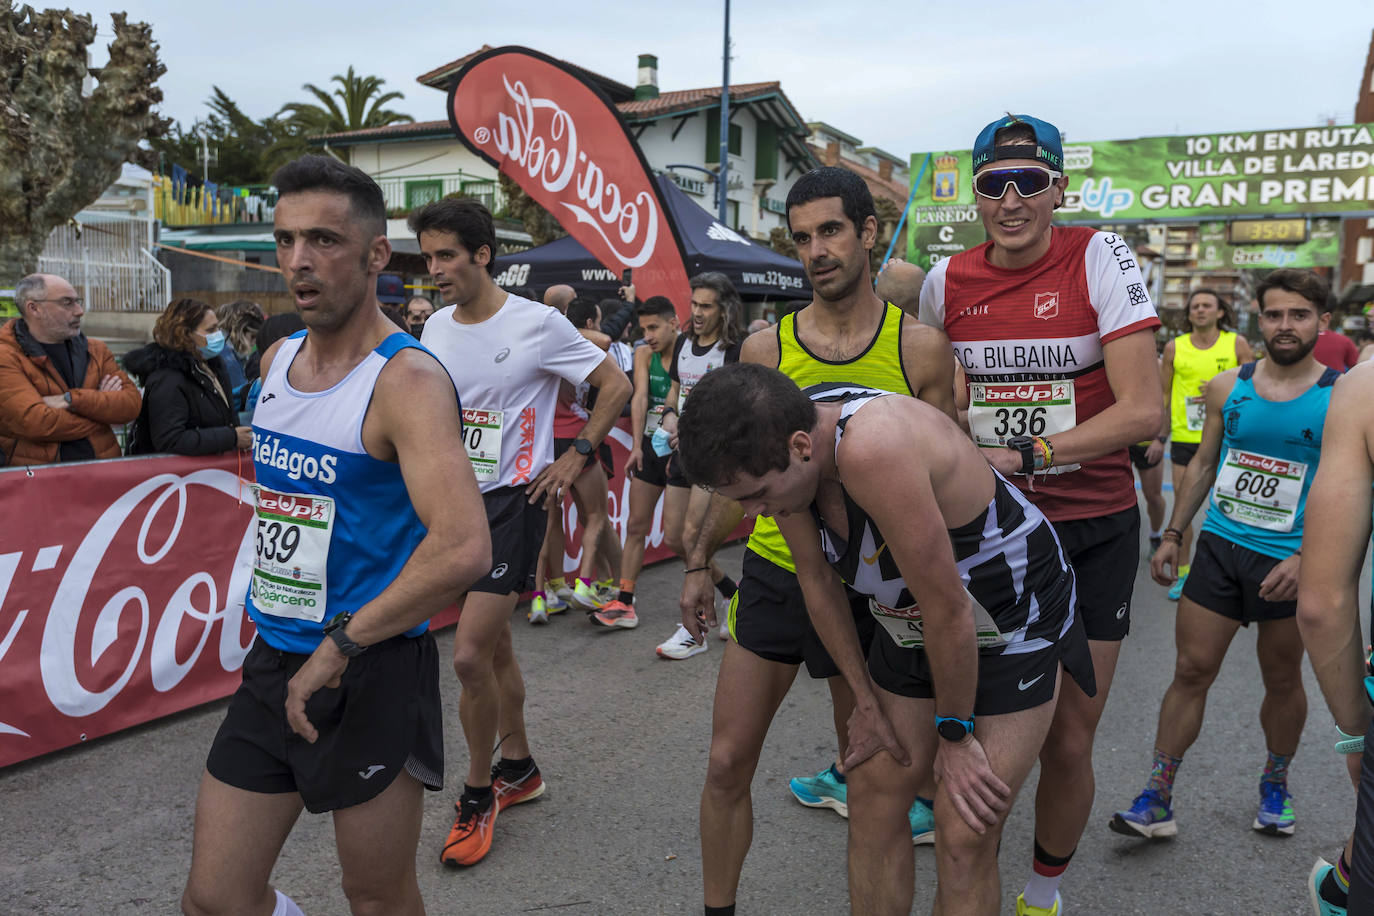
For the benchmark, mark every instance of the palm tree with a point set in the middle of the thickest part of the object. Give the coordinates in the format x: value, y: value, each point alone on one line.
x: 358, y: 106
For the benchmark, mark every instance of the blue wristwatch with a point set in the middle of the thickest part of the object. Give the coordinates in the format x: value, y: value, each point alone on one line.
x: 952, y: 729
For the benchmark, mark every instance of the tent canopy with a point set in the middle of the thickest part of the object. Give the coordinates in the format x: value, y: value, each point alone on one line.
x: 756, y: 270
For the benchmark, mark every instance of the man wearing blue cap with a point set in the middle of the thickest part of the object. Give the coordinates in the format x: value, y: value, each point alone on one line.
x: 1054, y: 329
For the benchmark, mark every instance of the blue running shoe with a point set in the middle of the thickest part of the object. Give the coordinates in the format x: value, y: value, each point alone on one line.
x: 1150, y: 816
x: 822, y: 791
x: 922, y: 824
x: 1275, y: 817
x: 1176, y: 590
x: 1320, y: 905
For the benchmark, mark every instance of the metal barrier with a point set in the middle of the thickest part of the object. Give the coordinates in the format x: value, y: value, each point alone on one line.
x: 110, y: 263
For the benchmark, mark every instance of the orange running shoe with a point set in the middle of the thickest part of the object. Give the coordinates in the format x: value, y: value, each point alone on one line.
x: 616, y: 614
x: 514, y: 788
x: 470, y: 839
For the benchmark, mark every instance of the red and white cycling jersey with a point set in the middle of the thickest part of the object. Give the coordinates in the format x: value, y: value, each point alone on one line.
x: 1030, y: 342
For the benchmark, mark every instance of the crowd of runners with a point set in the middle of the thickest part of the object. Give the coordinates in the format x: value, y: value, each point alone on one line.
x: 938, y: 472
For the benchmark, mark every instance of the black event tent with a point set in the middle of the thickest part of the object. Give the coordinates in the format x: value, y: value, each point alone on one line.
x: 756, y: 270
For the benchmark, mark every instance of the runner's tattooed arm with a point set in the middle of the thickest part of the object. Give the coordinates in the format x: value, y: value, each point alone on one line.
x: 414, y: 421
x: 1198, y: 478
x: 1336, y: 530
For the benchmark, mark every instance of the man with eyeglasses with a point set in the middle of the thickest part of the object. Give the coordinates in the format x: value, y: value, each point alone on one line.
x: 60, y: 391
x: 1054, y: 329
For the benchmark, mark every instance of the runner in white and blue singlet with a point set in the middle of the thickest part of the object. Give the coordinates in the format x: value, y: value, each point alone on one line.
x: 363, y: 500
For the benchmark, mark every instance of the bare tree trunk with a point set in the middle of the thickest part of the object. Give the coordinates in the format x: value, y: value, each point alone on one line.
x: 19, y: 257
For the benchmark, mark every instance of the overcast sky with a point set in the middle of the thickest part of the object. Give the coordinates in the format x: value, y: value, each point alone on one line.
x: 906, y: 77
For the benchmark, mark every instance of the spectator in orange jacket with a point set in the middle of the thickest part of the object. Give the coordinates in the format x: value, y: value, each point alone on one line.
x: 60, y: 390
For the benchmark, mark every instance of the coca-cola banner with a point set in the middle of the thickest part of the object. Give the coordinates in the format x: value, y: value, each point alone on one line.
x: 563, y: 142
x: 122, y: 586
x: 121, y: 594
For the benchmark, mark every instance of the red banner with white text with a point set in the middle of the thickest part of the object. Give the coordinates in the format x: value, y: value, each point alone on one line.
x: 122, y: 586
x: 561, y: 139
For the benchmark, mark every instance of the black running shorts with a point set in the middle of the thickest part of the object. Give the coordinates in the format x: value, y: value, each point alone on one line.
x: 1142, y: 463
x: 659, y: 471
x: 1180, y: 453
x: 768, y: 617
x: 1006, y: 682
x: 517, y: 534
x: 602, y: 452
x: 1362, y: 869
x: 383, y: 718
x: 1104, y: 553
x: 1225, y: 578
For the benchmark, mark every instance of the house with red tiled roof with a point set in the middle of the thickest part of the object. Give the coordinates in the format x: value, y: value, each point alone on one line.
x: 678, y: 131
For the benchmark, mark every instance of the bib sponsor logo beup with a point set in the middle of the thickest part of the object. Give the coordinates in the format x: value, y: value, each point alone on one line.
x: 562, y: 141
x: 1268, y: 465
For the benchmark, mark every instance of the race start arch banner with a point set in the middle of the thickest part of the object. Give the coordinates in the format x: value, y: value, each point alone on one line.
x: 1303, y: 172
x: 561, y: 139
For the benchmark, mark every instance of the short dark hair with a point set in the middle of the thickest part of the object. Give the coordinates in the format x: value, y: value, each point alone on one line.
x: 831, y: 181
x: 325, y: 173
x: 465, y: 218
x: 738, y: 420
x: 1305, y: 283
x: 581, y: 310
x: 1015, y: 134
x: 1228, y: 317
x: 661, y: 306
x: 732, y: 328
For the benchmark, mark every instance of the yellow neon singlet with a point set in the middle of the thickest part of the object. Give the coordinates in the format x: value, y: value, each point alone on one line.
x: 878, y: 366
x: 1193, y: 367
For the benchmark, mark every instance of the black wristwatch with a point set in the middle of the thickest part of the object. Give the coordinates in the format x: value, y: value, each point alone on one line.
x: 952, y: 729
x: 1026, y: 446
x: 335, y: 631
x: 583, y: 446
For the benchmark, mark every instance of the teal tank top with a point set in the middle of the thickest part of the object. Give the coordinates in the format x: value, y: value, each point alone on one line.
x: 1269, y: 455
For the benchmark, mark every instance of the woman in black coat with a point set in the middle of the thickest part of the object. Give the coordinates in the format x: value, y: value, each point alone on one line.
x: 186, y: 392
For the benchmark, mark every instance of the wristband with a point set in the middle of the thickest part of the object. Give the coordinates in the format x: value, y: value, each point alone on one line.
x: 1174, y: 531
x: 666, y: 411
x: 698, y: 569
x: 1047, y: 450
x: 1349, y: 744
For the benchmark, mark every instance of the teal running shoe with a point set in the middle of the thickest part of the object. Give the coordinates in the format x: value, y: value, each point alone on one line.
x: 1176, y: 590
x: 1315, y: 879
x: 1275, y: 817
x: 922, y: 819
x: 823, y: 790
x: 1149, y: 816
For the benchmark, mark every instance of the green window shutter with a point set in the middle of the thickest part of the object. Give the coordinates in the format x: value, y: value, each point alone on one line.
x: 419, y: 193
x: 736, y: 139
x: 713, y: 135
x: 766, y: 151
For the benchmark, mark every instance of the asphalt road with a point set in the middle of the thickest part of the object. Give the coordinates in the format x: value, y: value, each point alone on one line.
x: 622, y: 738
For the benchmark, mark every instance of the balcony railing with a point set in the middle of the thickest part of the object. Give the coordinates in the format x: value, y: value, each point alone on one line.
x: 254, y: 204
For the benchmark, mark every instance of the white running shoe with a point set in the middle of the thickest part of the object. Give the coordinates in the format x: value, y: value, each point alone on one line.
x: 680, y: 645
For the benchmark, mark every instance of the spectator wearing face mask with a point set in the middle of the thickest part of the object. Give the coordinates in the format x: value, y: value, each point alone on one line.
x: 187, y: 407
x: 418, y: 310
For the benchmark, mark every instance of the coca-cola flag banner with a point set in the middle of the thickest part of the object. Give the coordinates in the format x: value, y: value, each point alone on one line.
x: 122, y: 586
x: 121, y: 594
x: 561, y: 139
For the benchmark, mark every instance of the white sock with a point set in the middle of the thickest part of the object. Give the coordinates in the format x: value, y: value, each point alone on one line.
x: 1157, y: 534
x: 1040, y: 890
x: 286, y: 906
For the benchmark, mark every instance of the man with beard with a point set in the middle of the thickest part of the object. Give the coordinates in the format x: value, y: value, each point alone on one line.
x: 1261, y: 442
x: 365, y: 505
x: 845, y: 334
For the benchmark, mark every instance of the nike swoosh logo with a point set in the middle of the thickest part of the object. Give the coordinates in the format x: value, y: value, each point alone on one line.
x: 371, y: 771
x: 874, y: 559
x: 1026, y: 685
